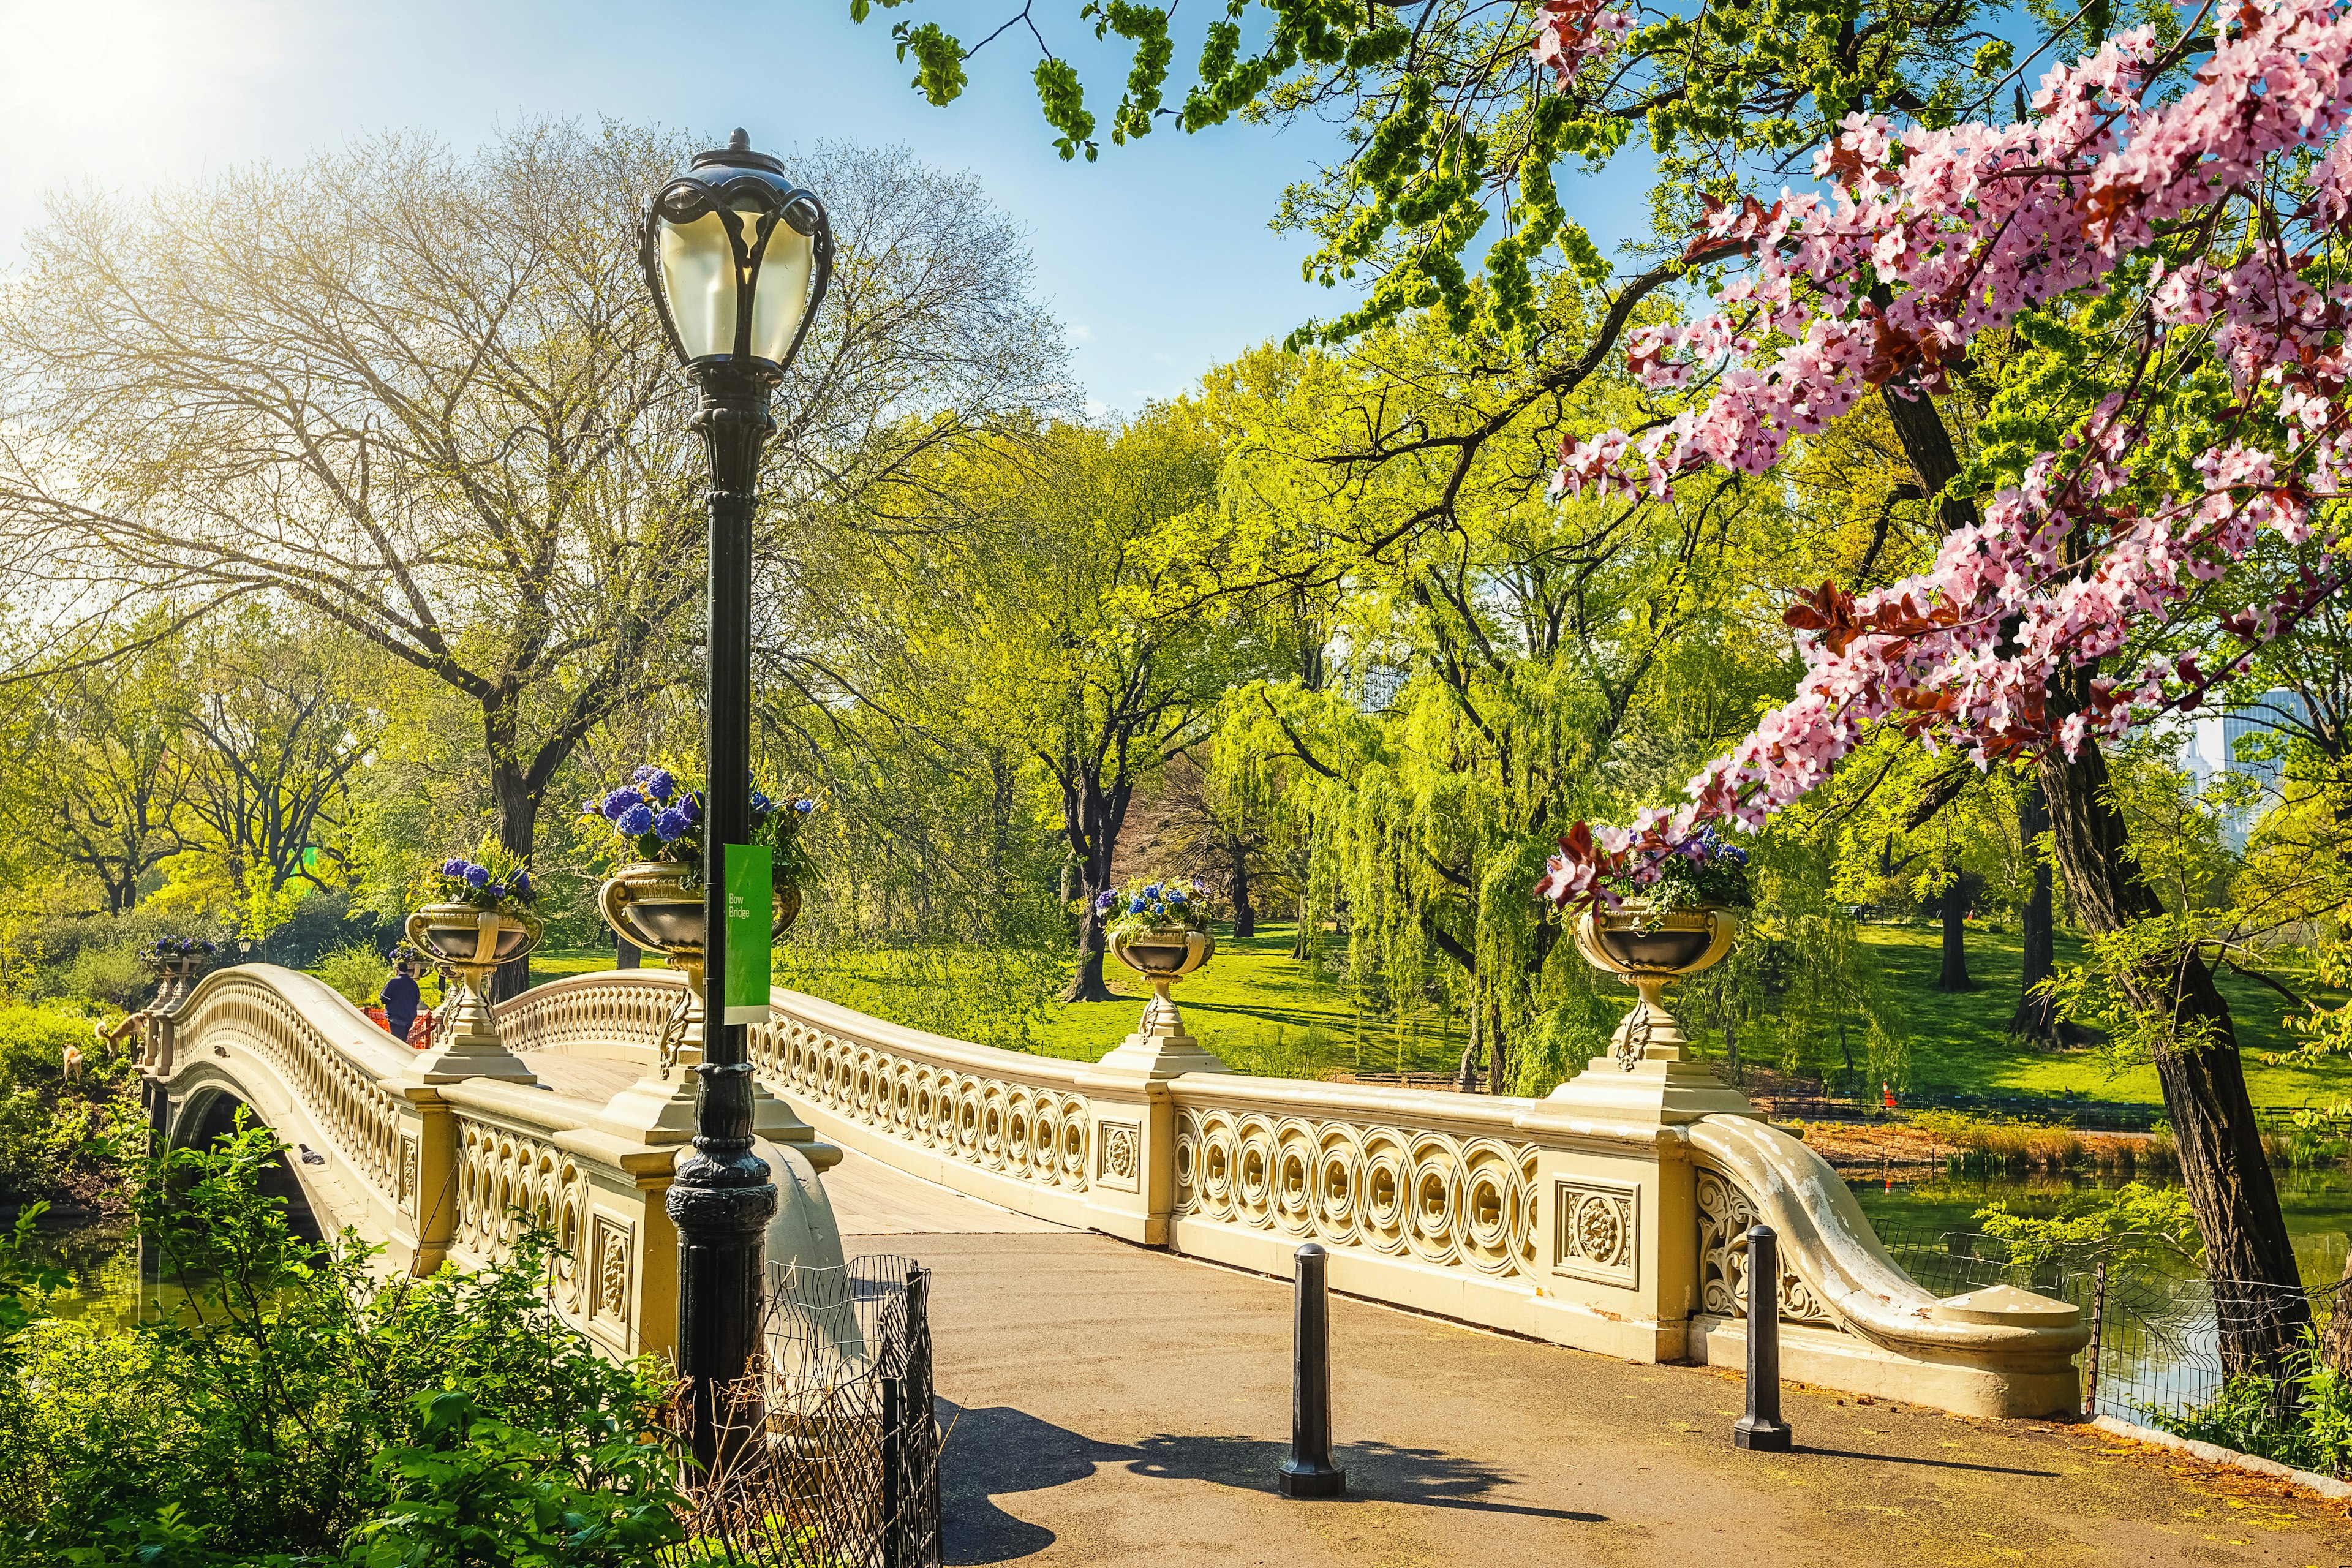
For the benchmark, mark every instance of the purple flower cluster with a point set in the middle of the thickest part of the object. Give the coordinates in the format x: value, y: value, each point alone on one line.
x: 177, y: 947
x: 649, y: 803
x: 480, y: 879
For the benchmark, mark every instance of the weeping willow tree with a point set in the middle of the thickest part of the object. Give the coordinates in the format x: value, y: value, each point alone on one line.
x: 1497, y: 665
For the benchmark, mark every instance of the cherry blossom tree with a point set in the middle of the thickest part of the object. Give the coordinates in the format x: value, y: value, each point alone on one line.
x: 2133, y: 556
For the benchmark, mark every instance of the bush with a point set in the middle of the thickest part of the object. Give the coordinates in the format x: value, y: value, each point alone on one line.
x: 356, y: 972
x: 94, y: 958
x: 302, y: 1406
x: 33, y: 1042
x: 2302, y: 1418
x: 111, y: 975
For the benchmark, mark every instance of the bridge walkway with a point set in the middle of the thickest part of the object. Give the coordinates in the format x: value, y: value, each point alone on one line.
x: 1115, y: 1404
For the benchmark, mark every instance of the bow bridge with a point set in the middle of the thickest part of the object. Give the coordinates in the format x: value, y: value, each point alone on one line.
x: 1608, y: 1217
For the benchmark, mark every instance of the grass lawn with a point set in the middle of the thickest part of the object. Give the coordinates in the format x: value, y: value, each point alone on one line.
x: 1265, y: 1014
x: 1957, y: 1043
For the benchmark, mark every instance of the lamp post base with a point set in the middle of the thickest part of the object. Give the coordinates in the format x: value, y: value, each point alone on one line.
x: 1762, y: 1436
x: 1298, y: 1480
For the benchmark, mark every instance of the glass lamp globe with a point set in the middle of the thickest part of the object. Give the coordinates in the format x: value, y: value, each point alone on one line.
x: 737, y: 256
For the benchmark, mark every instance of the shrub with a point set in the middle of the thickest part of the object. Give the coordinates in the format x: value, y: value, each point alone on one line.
x: 110, y: 973
x: 33, y: 1042
x: 301, y: 1405
x: 356, y: 972
x: 2301, y: 1418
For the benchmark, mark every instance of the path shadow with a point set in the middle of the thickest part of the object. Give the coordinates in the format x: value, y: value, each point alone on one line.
x: 995, y: 1452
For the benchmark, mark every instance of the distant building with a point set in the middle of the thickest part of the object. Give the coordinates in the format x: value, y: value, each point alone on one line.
x: 2208, y: 747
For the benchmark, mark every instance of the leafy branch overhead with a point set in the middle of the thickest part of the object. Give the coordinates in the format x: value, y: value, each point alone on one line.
x: 1456, y: 112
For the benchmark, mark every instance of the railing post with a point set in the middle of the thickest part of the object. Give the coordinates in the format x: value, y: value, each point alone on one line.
x: 1309, y: 1472
x: 893, y: 1477
x: 2098, y: 1332
x: 1761, y: 1429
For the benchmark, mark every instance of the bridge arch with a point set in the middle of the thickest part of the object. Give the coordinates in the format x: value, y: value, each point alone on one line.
x: 209, y: 1114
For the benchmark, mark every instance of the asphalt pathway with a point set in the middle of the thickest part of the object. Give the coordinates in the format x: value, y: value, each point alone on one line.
x: 1114, y: 1405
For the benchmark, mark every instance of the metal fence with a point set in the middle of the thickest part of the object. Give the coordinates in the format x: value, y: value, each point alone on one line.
x: 2172, y: 1348
x: 835, y: 1461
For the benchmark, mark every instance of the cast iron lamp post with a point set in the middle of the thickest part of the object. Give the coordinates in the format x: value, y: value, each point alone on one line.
x: 737, y: 256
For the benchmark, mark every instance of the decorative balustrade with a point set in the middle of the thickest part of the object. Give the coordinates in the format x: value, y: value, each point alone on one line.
x: 324, y: 1052
x: 1449, y: 1199
x: 621, y: 1015
x: 1016, y: 1129
x: 1608, y: 1217
x: 449, y: 1170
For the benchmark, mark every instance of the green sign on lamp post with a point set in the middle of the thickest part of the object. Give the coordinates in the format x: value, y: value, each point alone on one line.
x: 750, y: 898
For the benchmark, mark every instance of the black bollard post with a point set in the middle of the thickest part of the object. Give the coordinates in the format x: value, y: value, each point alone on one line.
x: 1761, y: 1429
x: 1309, y: 1472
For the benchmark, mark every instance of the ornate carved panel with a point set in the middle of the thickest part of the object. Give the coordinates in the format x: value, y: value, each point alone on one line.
x: 1724, y: 1214
x: 1419, y: 1194
x: 1596, y: 1230
x: 409, y: 1175
x: 1121, y: 1162
x: 609, y: 1296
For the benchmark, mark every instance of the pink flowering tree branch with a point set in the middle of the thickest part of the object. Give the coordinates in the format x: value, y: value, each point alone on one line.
x: 2213, y: 223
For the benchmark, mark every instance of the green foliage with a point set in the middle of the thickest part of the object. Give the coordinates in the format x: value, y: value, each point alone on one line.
x: 1449, y: 123
x: 301, y: 1405
x: 355, y: 972
x: 2131, y: 1224
x: 2301, y: 1417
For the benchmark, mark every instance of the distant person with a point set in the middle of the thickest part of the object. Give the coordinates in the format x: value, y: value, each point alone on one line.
x: 401, y: 999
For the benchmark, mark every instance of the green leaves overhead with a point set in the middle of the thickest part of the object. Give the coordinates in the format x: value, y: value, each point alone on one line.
x: 1449, y: 123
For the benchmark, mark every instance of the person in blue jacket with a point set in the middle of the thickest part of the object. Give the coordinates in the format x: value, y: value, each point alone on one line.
x: 401, y: 999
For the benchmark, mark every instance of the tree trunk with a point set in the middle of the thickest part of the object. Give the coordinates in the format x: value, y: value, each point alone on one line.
x: 1092, y: 817
x: 1465, y: 1077
x: 2036, y: 1017
x: 517, y: 803
x: 2250, y: 1259
x: 1498, y: 1062
x: 1955, y: 973
x: 1244, y: 917
x: 1300, y: 948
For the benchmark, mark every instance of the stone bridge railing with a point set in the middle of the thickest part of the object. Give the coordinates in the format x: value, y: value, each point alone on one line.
x: 429, y: 1168
x: 1602, y: 1217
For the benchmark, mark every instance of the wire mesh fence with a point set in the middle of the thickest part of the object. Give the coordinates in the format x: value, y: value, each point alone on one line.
x: 2243, y: 1364
x: 833, y: 1453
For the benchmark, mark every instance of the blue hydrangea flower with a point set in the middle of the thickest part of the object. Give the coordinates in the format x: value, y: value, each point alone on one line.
x: 522, y: 884
x: 617, y: 804
x: 690, y: 803
x: 672, y: 823
x: 638, y: 819
x: 453, y: 867
x: 1103, y: 901
x: 660, y: 785
x: 804, y: 806
x: 643, y: 771
x: 1135, y: 906
x: 496, y: 890
x: 475, y: 875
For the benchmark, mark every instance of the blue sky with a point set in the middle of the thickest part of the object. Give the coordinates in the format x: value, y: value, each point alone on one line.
x: 1158, y: 257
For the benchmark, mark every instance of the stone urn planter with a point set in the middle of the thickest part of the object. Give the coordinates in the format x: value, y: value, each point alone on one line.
x: 1650, y: 952
x: 175, y: 973
x: 1165, y: 956
x: 651, y: 904
x: 1160, y: 1045
x: 466, y: 944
